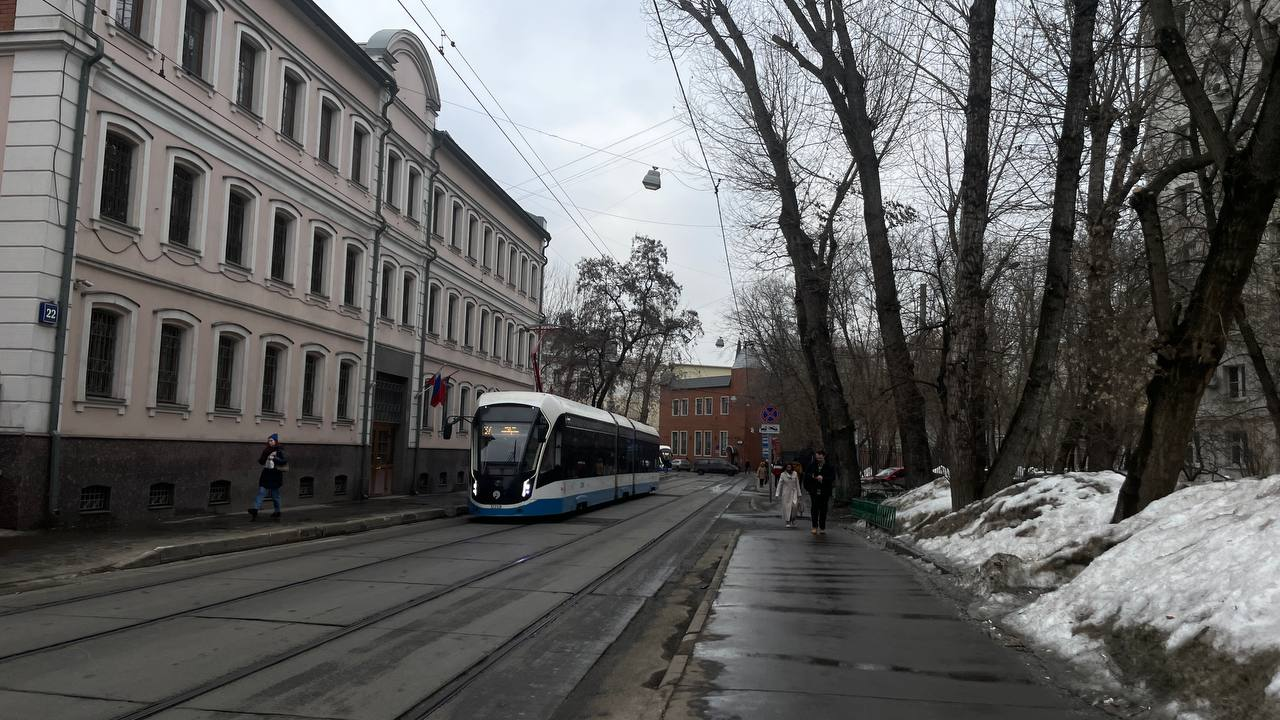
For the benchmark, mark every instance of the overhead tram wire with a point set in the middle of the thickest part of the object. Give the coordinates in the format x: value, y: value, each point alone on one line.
x: 715, y: 184
x: 445, y: 34
x: 603, y: 252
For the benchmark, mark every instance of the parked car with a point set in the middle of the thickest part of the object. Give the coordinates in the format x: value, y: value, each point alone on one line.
x: 887, y: 483
x: 891, y: 474
x: 715, y: 465
x: 681, y: 464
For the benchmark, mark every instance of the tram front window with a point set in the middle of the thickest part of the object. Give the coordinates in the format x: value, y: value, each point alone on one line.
x: 508, y: 440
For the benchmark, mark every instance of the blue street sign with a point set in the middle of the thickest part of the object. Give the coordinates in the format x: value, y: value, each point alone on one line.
x: 48, y: 313
x: 769, y: 414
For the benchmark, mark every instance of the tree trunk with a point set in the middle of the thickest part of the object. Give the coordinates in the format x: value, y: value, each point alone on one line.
x: 1265, y: 378
x: 967, y: 353
x: 1057, y: 281
x: 1186, y: 363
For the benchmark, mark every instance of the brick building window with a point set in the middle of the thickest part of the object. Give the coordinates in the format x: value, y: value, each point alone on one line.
x: 724, y: 443
x: 95, y: 499
x: 724, y: 404
x: 160, y: 496
x: 220, y: 492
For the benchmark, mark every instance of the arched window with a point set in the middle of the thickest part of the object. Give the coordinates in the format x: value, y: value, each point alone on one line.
x: 124, y: 148
x: 312, y: 384
x: 106, y: 349
x: 250, y: 80
x: 392, y: 182
x: 524, y: 274
x: 468, y: 324
x: 293, y: 105
x: 500, y: 258
x: 229, y: 342
x: 284, y: 230
x: 275, y: 375
x: 173, y: 360
x: 484, y: 331
x: 451, y: 319
x: 534, y: 286
x: 486, y: 250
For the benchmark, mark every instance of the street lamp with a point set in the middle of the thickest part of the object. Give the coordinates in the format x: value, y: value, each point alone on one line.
x: 652, y: 179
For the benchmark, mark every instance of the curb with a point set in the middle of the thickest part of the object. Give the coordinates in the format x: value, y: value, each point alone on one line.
x: 680, y: 661
x: 190, y: 551
x: 911, y: 550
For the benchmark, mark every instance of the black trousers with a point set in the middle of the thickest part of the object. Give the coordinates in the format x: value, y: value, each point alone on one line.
x: 818, y: 503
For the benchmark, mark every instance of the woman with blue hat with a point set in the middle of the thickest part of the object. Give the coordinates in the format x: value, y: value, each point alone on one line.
x: 273, y: 464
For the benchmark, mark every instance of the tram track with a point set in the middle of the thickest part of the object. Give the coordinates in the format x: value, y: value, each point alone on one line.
x: 250, y: 561
x: 468, y: 675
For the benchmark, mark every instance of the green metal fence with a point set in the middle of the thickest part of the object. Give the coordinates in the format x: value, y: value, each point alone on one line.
x: 882, y: 516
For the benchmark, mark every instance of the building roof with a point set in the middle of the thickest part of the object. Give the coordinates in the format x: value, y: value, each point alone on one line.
x: 697, y: 383
x: 343, y: 41
x: 531, y: 221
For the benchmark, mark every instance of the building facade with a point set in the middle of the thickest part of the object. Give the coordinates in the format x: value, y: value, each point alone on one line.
x: 711, y: 412
x: 268, y: 235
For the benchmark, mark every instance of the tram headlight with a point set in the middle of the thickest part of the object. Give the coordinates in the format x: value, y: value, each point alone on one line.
x: 475, y: 488
x: 528, y: 487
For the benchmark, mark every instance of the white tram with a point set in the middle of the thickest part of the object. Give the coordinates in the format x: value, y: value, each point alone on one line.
x: 539, y: 454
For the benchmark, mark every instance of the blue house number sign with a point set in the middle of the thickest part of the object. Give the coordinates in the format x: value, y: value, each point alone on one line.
x: 48, y: 313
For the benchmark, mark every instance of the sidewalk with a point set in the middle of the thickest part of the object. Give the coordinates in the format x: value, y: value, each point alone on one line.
x: 47, y: 557
x: 830, y: 626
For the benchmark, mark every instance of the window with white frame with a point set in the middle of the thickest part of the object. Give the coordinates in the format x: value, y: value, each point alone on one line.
x: 188, y: 180
x: 697, y: 406
x: 496, y: 351
x: 1236, y: 389
x: 468, y: 323
x: 524, y: 274
x: 473, y: 235
x: 293, y: 106
x: 483, y: 348
x: 122, y: 179
x: 199, y: 38
x: 523, y: 349
x: 534, y: 287
x: 346, y: 382
x: 697, y: 443
x: 437, y: 212
x: 486, y: 248
x: 131, y: 16
x: 512, y: 267
x: 724, y: 404
x: 241, y: 226
x: 250, y: 72
x: 275, y: 377
x: 321, y: 241
x: 228, y: 375
x: 283, y: 226
x: 707, y: 407
x: 391, y: 185
x: 684, y: 406
x: 107, y: 340
x: 359, y: 153
x: 413, y: 192
x: 386, y: 291
x: 312, y: 384
x: 451, y: 319
x: 464, y: 407
x: 724, y: 443
x: 455, y: 226
x: 500, y: 258
x: 328, y: 141
x: 173, y: 359
x: 433, y: 309
x: 508, y: 345
x: 353, y: 260
x: 408, y: 285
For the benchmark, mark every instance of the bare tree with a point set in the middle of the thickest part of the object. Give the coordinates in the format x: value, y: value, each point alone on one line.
x: 1240, y: 148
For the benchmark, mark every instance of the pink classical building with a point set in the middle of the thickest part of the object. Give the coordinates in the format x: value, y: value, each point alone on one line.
x: 223, y: 219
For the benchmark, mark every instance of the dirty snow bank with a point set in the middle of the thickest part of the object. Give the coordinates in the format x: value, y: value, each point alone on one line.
x: 1040, y: 532
x: 1183, y: 599
x: 1188, y: 604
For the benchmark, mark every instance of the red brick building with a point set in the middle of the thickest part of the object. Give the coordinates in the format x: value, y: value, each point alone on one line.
x: 709, y: 414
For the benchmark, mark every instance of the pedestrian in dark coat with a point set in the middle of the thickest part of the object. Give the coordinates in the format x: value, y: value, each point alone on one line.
x: 820, y: 480
x: 271, y: 479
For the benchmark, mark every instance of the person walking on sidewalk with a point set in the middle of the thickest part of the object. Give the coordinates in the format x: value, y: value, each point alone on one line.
x: 762, y: 475
x: 821, y: 476
x: 273, y: 462
x: 789, y: 491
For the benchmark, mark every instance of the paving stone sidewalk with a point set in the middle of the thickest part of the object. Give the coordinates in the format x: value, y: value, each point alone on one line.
x: 48, y: 557
x: 832, y: 626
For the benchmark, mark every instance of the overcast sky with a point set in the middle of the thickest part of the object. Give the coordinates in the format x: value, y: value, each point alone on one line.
x: 588, y: 72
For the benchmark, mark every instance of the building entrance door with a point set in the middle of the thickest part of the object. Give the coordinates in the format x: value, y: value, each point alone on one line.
x: 384, y: 458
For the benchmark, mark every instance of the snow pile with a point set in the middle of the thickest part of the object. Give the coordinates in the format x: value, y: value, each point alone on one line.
x: 1038, y: 533
x: 922, y: 505
x: 1188, y: 604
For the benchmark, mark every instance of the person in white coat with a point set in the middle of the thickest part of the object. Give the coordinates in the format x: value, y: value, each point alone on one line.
x: 789, y: 491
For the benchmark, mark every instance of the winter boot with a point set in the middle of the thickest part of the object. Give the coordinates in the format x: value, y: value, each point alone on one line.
x: 275, y: 516
x: 253, y: 514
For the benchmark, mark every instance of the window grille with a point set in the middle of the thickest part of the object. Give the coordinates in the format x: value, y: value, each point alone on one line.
x: 100, y: 365
x: 358, y: 139
x: 279, y: 246
x: 237, y: 205
x: 161, y: 496
x: 327, y: 113
x: 344, y: 390
x: 349, y: 277
x: 319, y: 245
x: 219, y: 492
x: 193, y: 31
x: 95, y: 498
x: 170, y: 364
x: 246, y: 70
x: 306, y: 487
x: 289, y: 106
x: 223, y: 397
x: 117, y: 176
x: 129, y: 15
x: 340, y: 485
x: 181, y: 198
x: 270, y: 372
x: 310, y: 367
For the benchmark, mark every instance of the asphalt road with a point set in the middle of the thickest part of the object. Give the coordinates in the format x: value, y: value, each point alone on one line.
x: 456, y: 618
